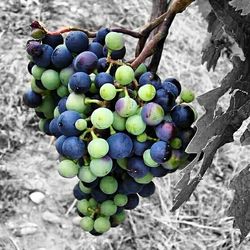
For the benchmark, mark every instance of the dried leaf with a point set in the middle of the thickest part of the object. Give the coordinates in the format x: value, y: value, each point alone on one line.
x: 245, y: 137
x: 240, y: 206
x: 242, y: 5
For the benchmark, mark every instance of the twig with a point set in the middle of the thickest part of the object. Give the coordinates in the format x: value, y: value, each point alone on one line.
x: 71, y: 207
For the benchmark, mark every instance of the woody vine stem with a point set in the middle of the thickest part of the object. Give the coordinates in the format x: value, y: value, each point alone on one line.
x: 149, y: 44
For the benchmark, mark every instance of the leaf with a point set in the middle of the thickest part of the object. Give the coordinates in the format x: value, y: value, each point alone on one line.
x: 245, y: 137
x: 240, y: 206
x: 242, y: 5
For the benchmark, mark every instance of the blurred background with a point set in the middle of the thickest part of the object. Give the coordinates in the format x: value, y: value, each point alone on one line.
x: 28, y: 162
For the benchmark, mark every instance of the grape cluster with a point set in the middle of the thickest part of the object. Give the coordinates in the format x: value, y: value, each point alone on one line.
x: 116, y: 128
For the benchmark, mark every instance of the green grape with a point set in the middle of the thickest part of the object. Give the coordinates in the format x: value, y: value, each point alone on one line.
x: 142, y: 137
x: 119, y: 122
x: 135, y: 125
x: 176, y: 143
x: 108, y: 185
x: 119, y: 218
x: 84, y: 189
x: 146, y: 179
x: 124, y: 75
x: 86, y: 175
x: 65, y: 74
x: 87, y: 224
x: 47, y: 107
x: 120, y: 200
x: 147, y: 92
x: 114, y: 41
x: 93, y: 88
x: 102, y: 224
x: 177, y: 159
x: 56, y: 112
x: 62, y: 91
x: 141, y: 69
x: 81, y: 124
x: 102, y: 118
x: 93, y: 203
x: 35, y: 88
x: 38, y: 34
x: 108, y: 208
x: 76, y: 103
x: 98, y: 148
x: 187, y: 95
x: 50, y: 79
x: 108, y: 92
x: 41, y: 124
x: 126, y: 106
x: 148, y: 159
x: 101, y: 167
x: 37, y: 72
x: 83, y: 207
x: 122, y: 163
x: 68, y: 169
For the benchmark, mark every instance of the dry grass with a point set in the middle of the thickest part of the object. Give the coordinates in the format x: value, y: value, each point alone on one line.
x: 200, y: 224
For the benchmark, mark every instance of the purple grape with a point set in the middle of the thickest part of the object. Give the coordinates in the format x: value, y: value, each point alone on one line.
x: 152, y: 114
x: 165, y: 99
x: 44, y: 59
x: 62, y: 105
x: 34, y: 48
x: 102, y: 64
x: 160, y: 151
x: 133, y: 202
x: 85, y: 62
x: 129, y: 186
x: 140, y: 147
x: 115, y: 54
x: 170, y: 87
x: 165, y: 131
x: 78, y: 194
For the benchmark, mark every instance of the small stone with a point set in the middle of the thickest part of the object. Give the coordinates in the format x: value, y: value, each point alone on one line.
x: 26, y: 228
x: 37, y: 197
x: 50, y: 217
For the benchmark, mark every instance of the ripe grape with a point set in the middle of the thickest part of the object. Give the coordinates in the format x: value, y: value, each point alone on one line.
x: 160, y: 151
x: 80, y: 82
x: 152, y: 114
x: 73, y: 147
x: 103, y: 78
x: 136, y: 167
x: 53, y: 40
x: 96, y: 48
x: 44, y: 59
x: 77, y: 41
x: 126, y: 106
x: 61, y: 57
x: 147, y: 190
x: 32, y: 99
x: 85, y: 62
x: 148, y: 159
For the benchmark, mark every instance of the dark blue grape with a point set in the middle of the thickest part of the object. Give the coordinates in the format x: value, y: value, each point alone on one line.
x: 174, y: 82
x: 30, y: 66
x: 165, y: 99
x: 62, y: 105
x: 53, y: 127
x: 183, y: 116
x: 91, y: 184
x: 40, y: 115
x: 59, y: 143
x: 102, y: 64
x: 159, y: 171
x: 129, y: 186
x: 96, y: 48
x: 140, y: 147
x: 165, y: 131
x: 85, y: 62
x: 101, y: 34
x: 98, y: 195
x: 103, y: 78
x: 77, y: 41
x: 80, y: 82
x: 66, y: 123
x: 147, y: 190
x: 53, y: 40
x: 115, y: 54
x: 136, y: 167
x: 94, y: 233
x: 120, y: 146
x: 160, y: 151
x: 133, y: 202
x: 78, y: 194
x: 32, y: 99
x: 186, y: 136
x: 46, y: 127
x: 150, y: 78
x: 73, y: 148
x: 61, y: 57
x: 44, y: 59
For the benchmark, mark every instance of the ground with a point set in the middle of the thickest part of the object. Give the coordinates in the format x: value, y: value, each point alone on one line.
x: 28, y: 161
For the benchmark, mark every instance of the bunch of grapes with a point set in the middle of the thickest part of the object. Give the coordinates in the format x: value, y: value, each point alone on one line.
x: 116, y: 128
